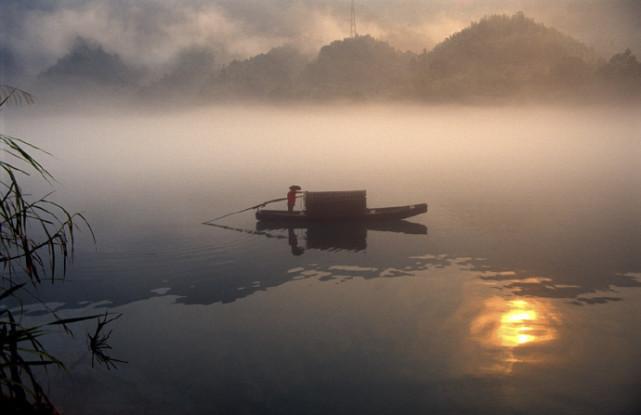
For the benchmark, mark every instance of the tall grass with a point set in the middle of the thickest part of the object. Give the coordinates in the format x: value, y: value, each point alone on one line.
x: 37, y: 238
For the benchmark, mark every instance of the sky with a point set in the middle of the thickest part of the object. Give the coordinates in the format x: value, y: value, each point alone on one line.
x: 151, y: 32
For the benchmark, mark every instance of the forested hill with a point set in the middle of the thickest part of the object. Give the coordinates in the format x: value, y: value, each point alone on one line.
x: 499, y: 56
x: 87, y: 63
x: 502, y: 55
x: 357, y: 67
x: 274, y: 74
x: 353, y: 67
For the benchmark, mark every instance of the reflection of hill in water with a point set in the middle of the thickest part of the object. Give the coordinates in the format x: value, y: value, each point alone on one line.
x: 582, y: 267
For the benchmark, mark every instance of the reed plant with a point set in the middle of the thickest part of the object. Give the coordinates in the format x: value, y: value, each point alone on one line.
x: 37, y: 238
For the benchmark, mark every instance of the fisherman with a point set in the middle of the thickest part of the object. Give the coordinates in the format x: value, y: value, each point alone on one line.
x: 291, y: 197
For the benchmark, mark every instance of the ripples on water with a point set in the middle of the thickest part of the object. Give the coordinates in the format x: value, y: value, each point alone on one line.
x: 517, y: 293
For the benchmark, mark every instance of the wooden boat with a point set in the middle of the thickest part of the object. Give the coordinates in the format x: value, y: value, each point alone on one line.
x: 366, y: 215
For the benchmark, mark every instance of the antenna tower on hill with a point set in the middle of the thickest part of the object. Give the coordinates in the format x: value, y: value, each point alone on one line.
x: 352, y: 22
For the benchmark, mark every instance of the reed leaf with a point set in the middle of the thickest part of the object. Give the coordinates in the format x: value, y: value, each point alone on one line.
x: 37, y: 240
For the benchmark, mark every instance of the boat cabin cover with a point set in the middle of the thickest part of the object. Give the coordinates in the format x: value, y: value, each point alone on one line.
x: 335, y: 204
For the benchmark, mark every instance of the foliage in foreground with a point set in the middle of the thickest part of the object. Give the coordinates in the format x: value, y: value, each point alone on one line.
x: 37, y: 239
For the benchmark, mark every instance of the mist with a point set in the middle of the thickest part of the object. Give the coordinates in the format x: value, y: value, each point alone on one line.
x: 199, y: 52
x: 475, y: 250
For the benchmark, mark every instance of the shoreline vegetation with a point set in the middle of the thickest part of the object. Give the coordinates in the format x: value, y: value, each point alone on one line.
x: 499, y: 59
x: 37, y: 238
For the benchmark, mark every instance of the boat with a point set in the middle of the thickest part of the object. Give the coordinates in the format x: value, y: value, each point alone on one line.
x: 364, y: 215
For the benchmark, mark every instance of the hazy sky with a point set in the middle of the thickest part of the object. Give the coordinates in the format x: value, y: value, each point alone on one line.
x: 147, y: 32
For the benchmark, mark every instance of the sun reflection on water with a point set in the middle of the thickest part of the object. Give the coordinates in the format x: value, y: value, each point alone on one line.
x: 511, y: 330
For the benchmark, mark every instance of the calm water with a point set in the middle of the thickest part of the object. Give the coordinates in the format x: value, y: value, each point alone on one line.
x: 518, y: 293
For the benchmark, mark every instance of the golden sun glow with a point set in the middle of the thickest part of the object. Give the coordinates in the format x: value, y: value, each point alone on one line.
x: 507, y: 326
x: 517, y: 324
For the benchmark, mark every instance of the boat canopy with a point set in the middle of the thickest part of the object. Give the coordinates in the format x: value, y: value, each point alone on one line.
x: 335, y: 204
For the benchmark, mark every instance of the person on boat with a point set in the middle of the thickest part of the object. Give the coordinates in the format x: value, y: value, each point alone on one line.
x: 291, y: 197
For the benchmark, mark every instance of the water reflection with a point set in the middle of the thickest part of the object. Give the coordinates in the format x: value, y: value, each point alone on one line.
x: 349, y: 236
x: 543, y: 215
x: 579, y: 291
x: 510, y: 331
x: 293, y: 243
x: 202, y: 272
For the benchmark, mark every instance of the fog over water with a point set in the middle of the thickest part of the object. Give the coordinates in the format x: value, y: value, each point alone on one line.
x: 518, y: 292
x: 517, y: 122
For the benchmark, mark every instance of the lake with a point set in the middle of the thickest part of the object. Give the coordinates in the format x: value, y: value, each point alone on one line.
x: 519, y: 292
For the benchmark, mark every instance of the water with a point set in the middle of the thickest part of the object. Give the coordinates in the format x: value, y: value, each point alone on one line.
x: 518, y: 292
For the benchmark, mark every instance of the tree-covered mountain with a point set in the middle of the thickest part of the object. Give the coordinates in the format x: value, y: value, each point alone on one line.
x: 274, y: 74
x: 88, y: 64
x: 184, y: 77
x: 357, y: 67
x: 354, y: 67
x: 622, y: 67
x: 621, y: 75
x: 501, y: 55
